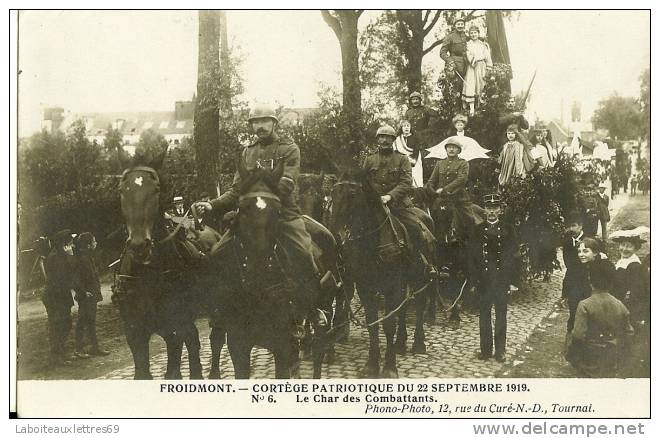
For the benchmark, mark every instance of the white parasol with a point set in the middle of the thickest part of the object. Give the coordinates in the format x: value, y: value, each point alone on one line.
x: 470, y: 149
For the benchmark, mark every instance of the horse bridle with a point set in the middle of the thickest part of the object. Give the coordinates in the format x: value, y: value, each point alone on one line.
x: 354, y: 238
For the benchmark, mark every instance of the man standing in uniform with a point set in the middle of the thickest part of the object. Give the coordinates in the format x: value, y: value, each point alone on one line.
x: 294, y: 238
x: 453, y: 47
x: 390, y: 173
x: 493, y: 250
x: 60, y: 281
x: 423, y: 121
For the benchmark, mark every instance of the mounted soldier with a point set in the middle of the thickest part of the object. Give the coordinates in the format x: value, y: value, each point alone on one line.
x: 294, y: 238
x: 391, y: 175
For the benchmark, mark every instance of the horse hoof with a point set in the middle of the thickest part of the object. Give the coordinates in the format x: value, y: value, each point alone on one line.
x: 418, y: 348
x: 454, y: 324
x: 400, y: 348
x: 369, y: 372
x: 330, y: 357
x: 146, y: 376
x: 214, y: 374
x: 196, y: 376
x: 173, y: 376
x: 389, y: 373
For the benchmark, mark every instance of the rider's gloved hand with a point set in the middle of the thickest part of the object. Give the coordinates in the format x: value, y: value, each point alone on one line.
x: 202, y: 206
x: 386, y: 198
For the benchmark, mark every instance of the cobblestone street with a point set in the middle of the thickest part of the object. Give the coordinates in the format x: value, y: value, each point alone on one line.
x: 450, y: 353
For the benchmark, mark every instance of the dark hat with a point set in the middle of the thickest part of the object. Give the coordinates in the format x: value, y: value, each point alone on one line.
x: 62, y: 237
x: 512, y: 127
x: 540, y: 126
x: 492, y: 200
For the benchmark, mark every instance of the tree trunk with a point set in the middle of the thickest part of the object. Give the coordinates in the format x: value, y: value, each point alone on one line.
x: 411, y: 34
x: 344, y: 23
x: 206, y: 126
x: 352, y: 90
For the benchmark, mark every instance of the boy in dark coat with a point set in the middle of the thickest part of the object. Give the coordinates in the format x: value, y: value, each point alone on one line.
x: 88, y: 294
x: 575, y: 286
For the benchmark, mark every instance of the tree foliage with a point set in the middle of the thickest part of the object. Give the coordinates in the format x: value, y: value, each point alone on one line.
x: 645, y: 102
x: 621, y: 116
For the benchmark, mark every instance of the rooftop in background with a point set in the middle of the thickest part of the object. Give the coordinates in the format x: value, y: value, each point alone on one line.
x: 173, y: 125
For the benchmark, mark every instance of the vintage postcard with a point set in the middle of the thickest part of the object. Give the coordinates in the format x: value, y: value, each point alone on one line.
x: 340, y: 213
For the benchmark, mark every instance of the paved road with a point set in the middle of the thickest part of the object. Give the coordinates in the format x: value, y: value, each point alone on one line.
x: 450, y: 353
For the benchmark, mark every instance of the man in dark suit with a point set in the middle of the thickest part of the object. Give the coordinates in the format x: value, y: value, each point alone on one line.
x: 603, y: 210
x: 493, y: 250
x: 57, y: 298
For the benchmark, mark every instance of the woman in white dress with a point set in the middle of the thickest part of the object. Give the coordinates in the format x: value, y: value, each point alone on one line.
x: 478, y: 57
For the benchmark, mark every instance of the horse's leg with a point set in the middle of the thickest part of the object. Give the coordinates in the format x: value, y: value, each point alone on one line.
x: 137, y: 338
x: 420, y: 306
x: 193, y: 347
x: 431, y: 312
x: 401, y: 331
x: 372, y: 368
x: 393, y: 297
x: 284, y: 361
x: 239, y: 350
x: 217, y: 340
x: 174, y: 345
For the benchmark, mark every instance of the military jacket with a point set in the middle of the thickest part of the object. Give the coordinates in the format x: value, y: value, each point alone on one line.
x: 450, y: 174
x: 421, y: 118
x: 390, y: 173
x: 455, y: 44
x: 493, y: 249
x: 264, y: 154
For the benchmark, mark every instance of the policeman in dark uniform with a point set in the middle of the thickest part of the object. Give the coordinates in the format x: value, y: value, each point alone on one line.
x: 293, y: 235
x: 391, y: 174
x: 453, y: 48
x: 57, y: 298
x: 493, y: 250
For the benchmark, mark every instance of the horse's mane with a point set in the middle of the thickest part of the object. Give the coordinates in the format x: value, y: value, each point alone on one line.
x: 361, y: 176
x: 259, y: 175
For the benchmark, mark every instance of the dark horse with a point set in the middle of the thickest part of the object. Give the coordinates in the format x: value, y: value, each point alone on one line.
x: 253, y: 302
x: 374, y: 249
x: 154, y: 291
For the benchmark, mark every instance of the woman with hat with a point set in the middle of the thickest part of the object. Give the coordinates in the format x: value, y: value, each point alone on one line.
x: 631, y: 278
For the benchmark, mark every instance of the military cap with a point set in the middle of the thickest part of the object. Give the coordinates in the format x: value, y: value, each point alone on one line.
x: 178, y: 199
x: 415, y: 94
x: 574, y: 218
x: 492, y: 200
x: 386, y: 130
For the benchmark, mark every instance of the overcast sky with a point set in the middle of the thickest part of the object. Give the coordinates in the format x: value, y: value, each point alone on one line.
x: 145, y: 60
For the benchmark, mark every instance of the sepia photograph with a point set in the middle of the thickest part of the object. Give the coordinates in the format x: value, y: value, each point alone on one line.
x: 220, y: 195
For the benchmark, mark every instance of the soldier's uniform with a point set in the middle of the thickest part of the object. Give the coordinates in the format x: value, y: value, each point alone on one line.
x: 390, y: 173
x: 293, y: 237
x: 492, y: 263
x: 423, y: 122
x: 453, y: 50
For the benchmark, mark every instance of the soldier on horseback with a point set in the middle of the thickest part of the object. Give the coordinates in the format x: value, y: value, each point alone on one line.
x: 294, y: 238
x: 391, y: 175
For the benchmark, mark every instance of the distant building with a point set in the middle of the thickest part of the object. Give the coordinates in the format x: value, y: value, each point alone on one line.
x: 173, y: 125
x: 295, y: 116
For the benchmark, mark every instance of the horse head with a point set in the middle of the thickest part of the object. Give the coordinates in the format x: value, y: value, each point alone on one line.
x: 259, y: 208
x: 140, y: 191
x: 352, y: 195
